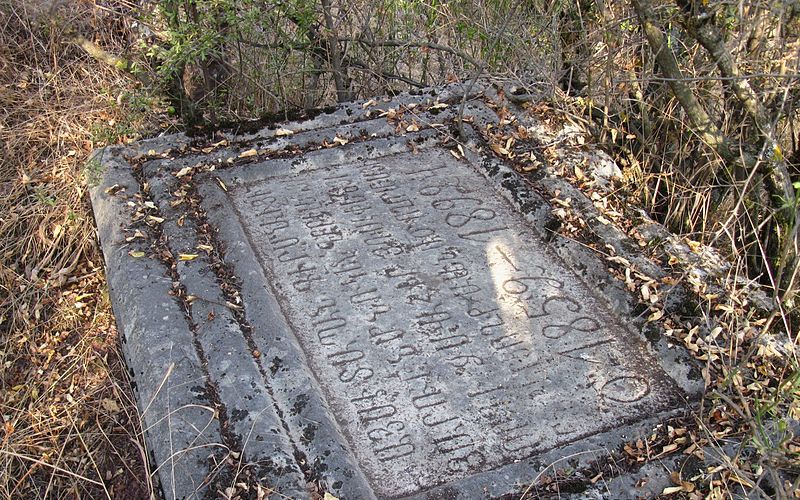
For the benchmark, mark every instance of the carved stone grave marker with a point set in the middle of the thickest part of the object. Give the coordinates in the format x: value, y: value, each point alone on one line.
x: 382, y: 316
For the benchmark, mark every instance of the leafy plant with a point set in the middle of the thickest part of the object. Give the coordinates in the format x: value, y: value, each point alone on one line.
x: 93, y: 172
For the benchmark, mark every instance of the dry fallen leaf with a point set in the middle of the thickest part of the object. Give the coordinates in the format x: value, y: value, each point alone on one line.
x: 136, y: 234
x: 340, y: 141
x: 497, y: 148
x: 248, y: 153
x: 188, y: 256
x: 184, y: 171
x: 669, y: 448
x: 737, y: 479
x: 696, y: 246
x: 563, y: 203
x: 602, y: 220
x: 261, y: 492
x: 116, y: 188
x: 136, y: 254
x: 283, y: 132
x: 619, y: 260
x: 110, y: 405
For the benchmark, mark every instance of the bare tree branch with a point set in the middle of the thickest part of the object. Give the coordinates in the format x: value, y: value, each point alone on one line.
x: 709, y: 35
x: 99, y: 54
x: 414, y: 43
x: 703, y: 125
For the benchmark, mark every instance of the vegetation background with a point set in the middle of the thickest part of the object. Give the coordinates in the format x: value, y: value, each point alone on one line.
x: 697, y: 100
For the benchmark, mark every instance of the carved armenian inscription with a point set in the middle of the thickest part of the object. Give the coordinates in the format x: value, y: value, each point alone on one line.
x: 448, y: 341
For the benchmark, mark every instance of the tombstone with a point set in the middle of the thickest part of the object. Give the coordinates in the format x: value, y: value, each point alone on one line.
x: 358, y: 302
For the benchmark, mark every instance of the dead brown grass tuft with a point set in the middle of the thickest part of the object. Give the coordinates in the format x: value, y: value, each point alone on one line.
x: 69, y: 425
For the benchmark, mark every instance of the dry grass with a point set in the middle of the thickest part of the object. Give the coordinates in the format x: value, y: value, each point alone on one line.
x: 69, y: 424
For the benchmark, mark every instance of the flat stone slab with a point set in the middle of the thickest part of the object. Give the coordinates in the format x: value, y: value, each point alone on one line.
x: 368, y: 308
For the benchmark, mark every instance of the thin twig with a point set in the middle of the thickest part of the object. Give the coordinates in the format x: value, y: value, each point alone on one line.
x: 417, y: 44
x: 51, y: 466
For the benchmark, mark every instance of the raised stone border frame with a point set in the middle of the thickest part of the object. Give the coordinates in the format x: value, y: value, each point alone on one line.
x: 221, y: 379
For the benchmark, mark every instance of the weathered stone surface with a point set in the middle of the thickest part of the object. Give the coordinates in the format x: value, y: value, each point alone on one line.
x: 396, y: 323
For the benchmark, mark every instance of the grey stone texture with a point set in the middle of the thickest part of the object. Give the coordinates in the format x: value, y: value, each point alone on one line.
x: 367, y: 306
